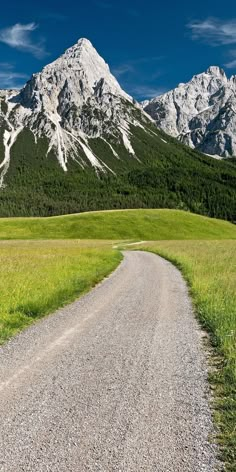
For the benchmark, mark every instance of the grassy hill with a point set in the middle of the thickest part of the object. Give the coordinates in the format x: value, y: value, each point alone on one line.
x: 123, y: 224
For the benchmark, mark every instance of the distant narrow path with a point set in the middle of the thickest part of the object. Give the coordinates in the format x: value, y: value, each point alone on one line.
x: 114, y: 382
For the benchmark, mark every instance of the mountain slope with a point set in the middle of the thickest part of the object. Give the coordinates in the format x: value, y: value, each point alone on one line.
x: 73, y: 99
x: 72, y: 140
x: 201, y: 113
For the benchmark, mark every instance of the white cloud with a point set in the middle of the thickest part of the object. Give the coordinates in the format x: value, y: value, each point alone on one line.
x: 9, y: 78
x: 231, y: 64
x: 214, y: 31
x: 18, y: 36
x: 122, y: 70
x: 6, y: 65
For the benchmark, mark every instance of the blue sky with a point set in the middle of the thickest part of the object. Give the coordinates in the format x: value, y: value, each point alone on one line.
x: 150, y: 45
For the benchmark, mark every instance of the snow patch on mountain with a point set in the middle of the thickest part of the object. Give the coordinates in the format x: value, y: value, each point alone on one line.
x: 111, y: 148
x: 72, y: 100
x: 126, y: 140
x: 10, y: 134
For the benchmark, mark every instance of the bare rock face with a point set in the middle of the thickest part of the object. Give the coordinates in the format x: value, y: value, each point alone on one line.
x: 200, y: 113
x: 73, y: 99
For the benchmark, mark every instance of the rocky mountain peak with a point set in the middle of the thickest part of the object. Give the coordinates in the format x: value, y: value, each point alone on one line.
x: 79, y: 73
x: 73, y: 99
x: 201, y: 113
x: 216, y: 71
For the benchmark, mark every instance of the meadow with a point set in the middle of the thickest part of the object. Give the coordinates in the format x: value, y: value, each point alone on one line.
x: 37, y: 277
x: 48, y: 262
x: 120, y: 224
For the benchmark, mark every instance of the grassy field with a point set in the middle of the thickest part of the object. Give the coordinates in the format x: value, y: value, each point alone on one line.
x: 210, y: 269
x: 126, y: 224
x: 38, y: 277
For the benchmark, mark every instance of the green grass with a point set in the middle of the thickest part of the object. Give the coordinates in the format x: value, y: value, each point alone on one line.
x: 124, y: 224
x: 210, y: 269
x: 39, y: 277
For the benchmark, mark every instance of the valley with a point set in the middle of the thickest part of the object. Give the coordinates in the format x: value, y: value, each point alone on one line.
x: 72, y: 140
x: 47, y: 273
x: 118, y: 256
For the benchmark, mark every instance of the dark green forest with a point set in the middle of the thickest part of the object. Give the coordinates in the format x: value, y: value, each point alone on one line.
x: 165, y: 175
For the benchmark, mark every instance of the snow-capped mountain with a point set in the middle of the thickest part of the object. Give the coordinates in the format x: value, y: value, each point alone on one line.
x: 200, y: 113
x: 72, y: 140
x: 74, y: 99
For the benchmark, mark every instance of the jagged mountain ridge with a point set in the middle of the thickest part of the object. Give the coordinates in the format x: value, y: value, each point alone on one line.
x: 73, y: 99
x: 200, y: 113
x: 72, y: 140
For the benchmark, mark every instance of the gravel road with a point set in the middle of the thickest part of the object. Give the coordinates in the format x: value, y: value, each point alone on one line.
x: 116, y: 381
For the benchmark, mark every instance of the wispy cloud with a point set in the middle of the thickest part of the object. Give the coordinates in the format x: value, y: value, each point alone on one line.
x: 213, y: 31
x: 9, y: 78
x: 123, y: 69
x: 231, y: 64
x: 131, y: 71
x: 140, y: 91
x: 6, y: 65
x: 18, y: 36
x: 131, y: 65
x: 216, y: 32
